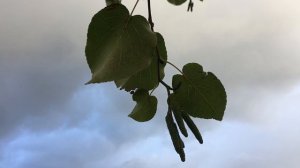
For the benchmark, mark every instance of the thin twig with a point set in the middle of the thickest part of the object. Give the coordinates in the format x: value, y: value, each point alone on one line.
x: 134, y: 7
x: 150, y: 16
x: 131, y: 14
x: 174, y: 67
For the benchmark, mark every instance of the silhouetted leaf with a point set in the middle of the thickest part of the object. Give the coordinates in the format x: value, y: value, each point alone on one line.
x: 145, y: 108
x: 200, y: 94
x: 177, y: 2
x: 147, y: 79
x: 118, y: 45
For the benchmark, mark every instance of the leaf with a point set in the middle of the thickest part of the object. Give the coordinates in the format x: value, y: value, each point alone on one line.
x: 145, y: 108
x: 177, y: 2
x: 110, y: 2
x: 200, y: 94
x: 147, y: 79
x: 118, y: 45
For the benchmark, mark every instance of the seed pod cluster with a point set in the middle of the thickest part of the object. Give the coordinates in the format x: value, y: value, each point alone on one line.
x: 180, y: 123
x: 177, y: 141
x: 181, y: 117
x: 187, y: 119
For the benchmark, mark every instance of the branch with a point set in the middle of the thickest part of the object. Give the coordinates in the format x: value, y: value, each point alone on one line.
x: 157, y: 53
x: 150, y: 16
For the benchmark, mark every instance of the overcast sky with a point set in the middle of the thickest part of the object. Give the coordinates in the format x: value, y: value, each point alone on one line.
x: 50, y: 119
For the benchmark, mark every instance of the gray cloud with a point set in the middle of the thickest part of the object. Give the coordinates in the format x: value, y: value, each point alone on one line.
x: 251, y: 46
x: 39, y: 81
x: 42, y: 64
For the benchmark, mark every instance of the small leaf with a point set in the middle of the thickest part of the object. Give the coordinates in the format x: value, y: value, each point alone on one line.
x: 177, y: 2
x: 147, y: 79
x: 200, y: 94
x: 145, y: 108
x: 118, y: 45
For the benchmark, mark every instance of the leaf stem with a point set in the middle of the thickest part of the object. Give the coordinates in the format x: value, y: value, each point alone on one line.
x: 131, y: 13
x: 170, y: 63
x: 134, y: 7
x: 150, y: 15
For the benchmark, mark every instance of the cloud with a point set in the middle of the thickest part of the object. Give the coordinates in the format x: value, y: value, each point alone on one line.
x: 50, y: 119
x: 229, y: 144
x: 56, y: 149
x: 42, y: 62
x: 38, y: 83
x: 241, y: 46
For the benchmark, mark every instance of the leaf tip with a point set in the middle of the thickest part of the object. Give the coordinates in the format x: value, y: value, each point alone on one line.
x: 87, y: 83
x: 90, y: 81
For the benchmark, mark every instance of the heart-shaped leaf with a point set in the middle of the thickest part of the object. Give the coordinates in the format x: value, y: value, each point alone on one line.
x: 118, y: 45
x: 147, y: 79
x: 145, y: 108
x: 200, y: 94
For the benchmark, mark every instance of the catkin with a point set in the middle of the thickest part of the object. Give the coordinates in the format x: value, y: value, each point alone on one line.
x: 180, y: 123
x: 192, y: 126
x: 177, y: 141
